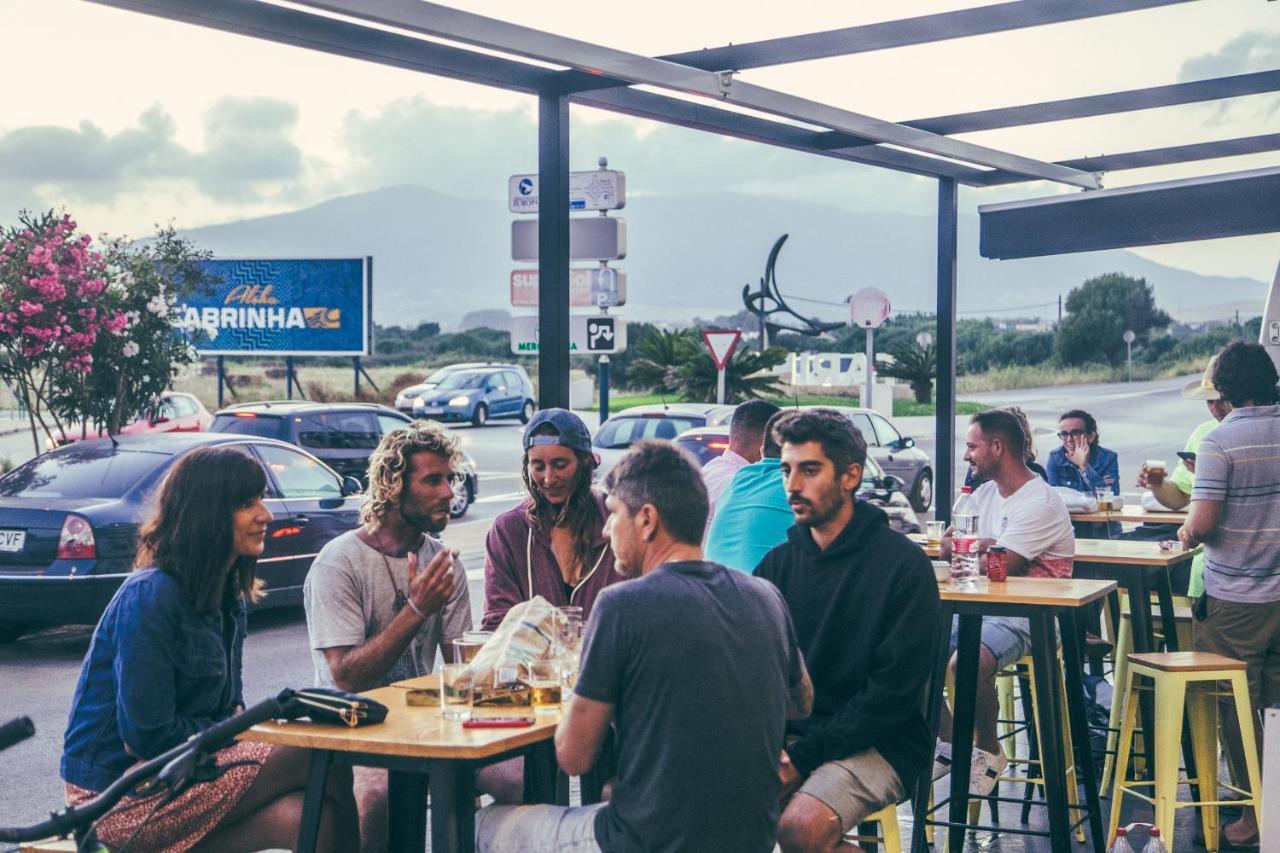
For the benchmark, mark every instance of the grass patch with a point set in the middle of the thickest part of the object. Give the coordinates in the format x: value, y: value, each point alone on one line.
x: 910, y: 408
x: 901, y: 408
x: 1043, y: 375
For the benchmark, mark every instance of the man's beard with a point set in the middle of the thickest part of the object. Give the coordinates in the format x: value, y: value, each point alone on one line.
x: 423, y: 519
x: 825, y: 510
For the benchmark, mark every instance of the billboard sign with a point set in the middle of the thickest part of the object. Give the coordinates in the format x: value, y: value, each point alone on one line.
x: 589, y: 287
x: 589, y: 334
x: 283, y: 306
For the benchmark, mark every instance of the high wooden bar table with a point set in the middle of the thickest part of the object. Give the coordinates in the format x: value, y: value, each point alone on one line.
x: 1041, y: 601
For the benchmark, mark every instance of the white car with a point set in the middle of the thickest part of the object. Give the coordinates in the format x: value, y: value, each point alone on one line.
x: 664, y: 421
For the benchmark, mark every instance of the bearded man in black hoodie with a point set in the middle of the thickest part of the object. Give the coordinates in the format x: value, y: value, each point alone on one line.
x: 865, y: 606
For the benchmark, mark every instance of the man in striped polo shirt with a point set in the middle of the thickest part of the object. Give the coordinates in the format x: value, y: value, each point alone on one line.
x: 1235, y: 512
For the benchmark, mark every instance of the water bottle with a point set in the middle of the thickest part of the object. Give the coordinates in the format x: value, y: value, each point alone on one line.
x: 964, y: 542
x: 1121, y: 844
x: 1155, y: 844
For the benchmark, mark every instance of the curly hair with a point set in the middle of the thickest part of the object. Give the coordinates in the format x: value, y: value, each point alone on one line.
x: 389, y: 464
x: 1244, y: 373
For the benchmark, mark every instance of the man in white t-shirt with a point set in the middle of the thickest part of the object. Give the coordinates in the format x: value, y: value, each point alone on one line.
x: 1020, y: 512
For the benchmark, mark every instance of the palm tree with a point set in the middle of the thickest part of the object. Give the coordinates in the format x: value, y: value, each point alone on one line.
x: 915, y: 364
x: 747, y: 375
x: 659, y: 357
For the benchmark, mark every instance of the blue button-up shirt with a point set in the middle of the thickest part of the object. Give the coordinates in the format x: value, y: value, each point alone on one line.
x: 157, y: 671
x: 1101, y: 473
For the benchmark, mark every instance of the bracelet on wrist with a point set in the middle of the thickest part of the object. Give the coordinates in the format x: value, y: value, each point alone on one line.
x: 414, y: 608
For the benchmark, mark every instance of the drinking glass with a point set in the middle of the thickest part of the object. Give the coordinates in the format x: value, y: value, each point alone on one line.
x: 544, y: 686
x: 466, y: 648
x: 933, y: 533
x: 456, y: 691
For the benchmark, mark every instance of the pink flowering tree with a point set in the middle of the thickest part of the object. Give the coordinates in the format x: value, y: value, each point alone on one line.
x: 136, y: 360
x: 86, y: 335
x: 52, y: 310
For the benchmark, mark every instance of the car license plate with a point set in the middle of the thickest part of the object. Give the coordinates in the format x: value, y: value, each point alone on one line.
x: 12, y: 540
x: 431, y: 410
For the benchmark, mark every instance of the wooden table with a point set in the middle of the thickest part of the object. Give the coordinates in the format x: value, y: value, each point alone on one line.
x: 1041, y: 601
x: 414, y: 744
x: 1132, y: 514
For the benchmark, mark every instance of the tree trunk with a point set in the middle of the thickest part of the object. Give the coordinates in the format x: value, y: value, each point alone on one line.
x: 923, y: 391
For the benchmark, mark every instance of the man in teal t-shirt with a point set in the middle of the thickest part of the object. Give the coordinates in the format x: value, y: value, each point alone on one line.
x: 1175, y: 490
x: 752, y: 515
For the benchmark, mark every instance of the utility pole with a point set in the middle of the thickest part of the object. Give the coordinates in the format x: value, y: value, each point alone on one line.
x: 1059, y: 309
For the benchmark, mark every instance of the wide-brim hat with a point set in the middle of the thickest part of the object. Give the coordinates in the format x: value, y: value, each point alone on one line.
x: 1203, y: 388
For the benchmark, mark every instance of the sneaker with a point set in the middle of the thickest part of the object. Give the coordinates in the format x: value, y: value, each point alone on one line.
x: 985, y: 770
x: 942, y: 761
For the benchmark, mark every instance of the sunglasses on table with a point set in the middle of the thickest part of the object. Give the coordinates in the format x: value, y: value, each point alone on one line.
x: 1075, y: 433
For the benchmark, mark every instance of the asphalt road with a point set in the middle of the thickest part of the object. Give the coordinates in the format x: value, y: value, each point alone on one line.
x: 38, y: 673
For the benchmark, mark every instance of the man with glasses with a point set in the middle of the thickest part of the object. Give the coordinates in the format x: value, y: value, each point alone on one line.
x: 1082, y: 464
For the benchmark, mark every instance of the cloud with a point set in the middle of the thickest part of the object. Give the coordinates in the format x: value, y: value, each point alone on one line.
x: 1256, y: 50
x: 247, y: 157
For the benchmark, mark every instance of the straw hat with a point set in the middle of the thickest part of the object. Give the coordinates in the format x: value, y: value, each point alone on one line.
x: 1202, y: 388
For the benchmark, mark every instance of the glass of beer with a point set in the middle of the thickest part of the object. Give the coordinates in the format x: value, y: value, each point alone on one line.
x: 466, y: 649
x: 456, y: 691
x: 933, y: 533
x: 1156, y: 470
x: 544, y: 686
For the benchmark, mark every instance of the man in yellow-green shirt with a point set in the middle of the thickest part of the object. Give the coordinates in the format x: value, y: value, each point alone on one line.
x: 1174, y: 491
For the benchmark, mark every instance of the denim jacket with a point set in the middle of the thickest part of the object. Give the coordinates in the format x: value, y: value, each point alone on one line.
x: 1101, y: 472
x: 157, y: 671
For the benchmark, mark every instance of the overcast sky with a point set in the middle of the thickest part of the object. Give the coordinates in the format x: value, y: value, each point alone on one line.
x: 129, y: 120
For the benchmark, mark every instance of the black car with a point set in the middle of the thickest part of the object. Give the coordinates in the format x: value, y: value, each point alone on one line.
x: 342, y: 435
x: 69, y: 521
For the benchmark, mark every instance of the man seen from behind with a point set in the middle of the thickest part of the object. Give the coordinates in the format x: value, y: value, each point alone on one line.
x: 695, y: 666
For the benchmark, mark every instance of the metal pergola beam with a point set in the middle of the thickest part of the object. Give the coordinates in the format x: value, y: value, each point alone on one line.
x: 1235, y: 86
x: 439, y: 21
x: 1171, y: 155
x: 315, y: 32
x: 1000, y: 17
x: 1231, y: 205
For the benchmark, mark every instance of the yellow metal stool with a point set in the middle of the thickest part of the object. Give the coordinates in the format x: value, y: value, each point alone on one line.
x: 1187, y: 681
x: 1123, y: 647
x: 889, y: 836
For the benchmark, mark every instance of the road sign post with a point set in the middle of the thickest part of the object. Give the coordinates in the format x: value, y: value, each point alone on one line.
x: 1129, y: 338
x: 721, y: 343
x: 602, y: 375
x: 869, y: 308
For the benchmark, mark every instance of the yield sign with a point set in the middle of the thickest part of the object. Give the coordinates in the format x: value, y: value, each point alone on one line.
x: 720, y: 343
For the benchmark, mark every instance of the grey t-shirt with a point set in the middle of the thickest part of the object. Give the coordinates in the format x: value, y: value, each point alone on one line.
x: 698, y: 661
x: 350, y: 595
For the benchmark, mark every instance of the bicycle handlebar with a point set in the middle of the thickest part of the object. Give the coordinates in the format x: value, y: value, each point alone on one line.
x: 16, y: 731
x: 183, y: 758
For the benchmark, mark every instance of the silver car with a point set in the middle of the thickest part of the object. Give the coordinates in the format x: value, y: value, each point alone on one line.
x: 664, y: 421
x: 896, y: 453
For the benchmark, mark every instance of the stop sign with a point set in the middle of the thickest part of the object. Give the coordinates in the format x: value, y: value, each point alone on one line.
x: 869, y: 308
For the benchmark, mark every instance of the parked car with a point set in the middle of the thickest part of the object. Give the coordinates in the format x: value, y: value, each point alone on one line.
x: 69, y: 521
x: 408, y: 396
x: 177, y: 412
x: 896, y: 453
x: 878, y: 487
x: 662, y: 420
x: 342, y: 435
x: 473, y: 393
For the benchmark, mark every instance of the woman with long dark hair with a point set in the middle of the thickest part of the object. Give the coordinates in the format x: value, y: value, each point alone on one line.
x: 165, y: 663
x: 553, y: 545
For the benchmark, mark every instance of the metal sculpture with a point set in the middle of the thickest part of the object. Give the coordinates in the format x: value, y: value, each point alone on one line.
x: 768, y: 301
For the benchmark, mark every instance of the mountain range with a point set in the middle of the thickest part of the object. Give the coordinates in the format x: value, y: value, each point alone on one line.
x: 438, y: 257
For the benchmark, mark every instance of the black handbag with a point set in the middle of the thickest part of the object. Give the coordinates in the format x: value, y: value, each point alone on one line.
x: 328, y: 705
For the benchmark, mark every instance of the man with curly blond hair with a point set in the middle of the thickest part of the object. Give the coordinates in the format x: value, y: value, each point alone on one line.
x: 382, y: 598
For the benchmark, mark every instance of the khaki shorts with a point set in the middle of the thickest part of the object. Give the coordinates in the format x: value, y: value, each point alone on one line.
x: 855, y: 787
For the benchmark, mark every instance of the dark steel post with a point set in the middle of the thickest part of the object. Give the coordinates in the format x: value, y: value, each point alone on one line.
x: 944, y: 452
x: 603, y: 377
x: 553, y: 251
x: 288, y: 377
x: 221, y: 379
x: 356, y: 363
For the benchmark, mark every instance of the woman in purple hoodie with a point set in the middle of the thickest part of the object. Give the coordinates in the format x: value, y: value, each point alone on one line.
x: 552, y: 545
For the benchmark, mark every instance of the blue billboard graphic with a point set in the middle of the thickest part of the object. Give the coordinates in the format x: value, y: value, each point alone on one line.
x: 283, y: 306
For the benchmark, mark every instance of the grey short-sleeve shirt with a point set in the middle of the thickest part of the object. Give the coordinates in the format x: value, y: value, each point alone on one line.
x: 350, y: 596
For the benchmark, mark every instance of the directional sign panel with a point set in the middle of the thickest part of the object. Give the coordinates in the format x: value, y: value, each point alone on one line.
x: 592, y: 238
x: 604, y: 189
x: 589, y: 334
x: 589, y: 287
